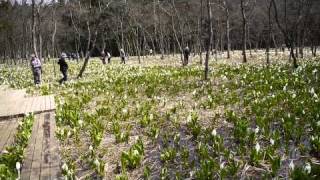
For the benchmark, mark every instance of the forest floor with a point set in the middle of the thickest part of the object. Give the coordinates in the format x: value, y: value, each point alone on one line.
x: 159, y: 120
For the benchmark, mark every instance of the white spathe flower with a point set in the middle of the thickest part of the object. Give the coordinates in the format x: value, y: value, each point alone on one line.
x: 189, y: 118
x: 257, y: 147
x: 291, y: 165
x: 312, y: 91
x: 214, y: 132
x: 136, y: 152
x: 65, y: 167
x: 294, y: 95
x: 18, y: 166
x: 307, y: 168
x: 256, y: 130
x: 96, y: 163
x: 90, y: 148
x: 194, y: 92
x: 124, y: 111
x: 318, y: 123
x: 285, y: 87
x: 271, y: 141
x: 312, y: 138
x: 80, y: 123
x: 315, y: 96
x: 191, y: 173
x: 222, y: 165
x: 314, y: 71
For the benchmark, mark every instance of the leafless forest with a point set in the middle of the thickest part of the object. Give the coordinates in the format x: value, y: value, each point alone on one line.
x: 87, y: 27
x: 203, y: 89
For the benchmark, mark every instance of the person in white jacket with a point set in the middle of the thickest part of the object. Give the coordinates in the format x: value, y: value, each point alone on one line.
x: 36, y: 69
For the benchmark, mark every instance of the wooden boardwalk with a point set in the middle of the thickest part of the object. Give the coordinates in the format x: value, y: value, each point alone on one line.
x: 42, y: 154
x: 42, y: 160
x: 15, y: 103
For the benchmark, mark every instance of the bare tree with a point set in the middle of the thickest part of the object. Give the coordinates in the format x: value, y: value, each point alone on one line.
x: 34, y: 38
x: 206, y: 70
x: 244, y: 30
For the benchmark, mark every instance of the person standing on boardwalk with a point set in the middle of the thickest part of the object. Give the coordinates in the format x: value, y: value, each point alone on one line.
x: 122, y: 56
x: 36, y: 69
x: 63, y: 67
x: 186, y: 53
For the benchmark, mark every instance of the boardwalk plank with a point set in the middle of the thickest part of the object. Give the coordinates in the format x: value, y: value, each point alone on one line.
x: 29, y: 154
x: 45, y: 158
x: 54, y: 149
x: 14, y: 103
x: 52, y: 103
x: 35, y: 104
x: 24, y: 107
x: 7, y: 131
x: 29, y: 104
x: 36, y: 161
x: 48, y: 102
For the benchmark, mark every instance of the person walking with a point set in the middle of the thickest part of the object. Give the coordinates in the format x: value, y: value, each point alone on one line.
x: 109, y: 57
x: 36, y: 69
x: 186, y: 53
x: 103, y: 57
x: 122, y: 56
x: 63, y: 67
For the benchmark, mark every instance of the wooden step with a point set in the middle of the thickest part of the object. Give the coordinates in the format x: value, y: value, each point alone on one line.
x: 18, y: 106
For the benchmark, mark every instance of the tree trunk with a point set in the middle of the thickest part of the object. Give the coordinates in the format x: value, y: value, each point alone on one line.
x: 34, y: 39
x: 269, y: 34
x: 228, y: 29
x: 244, y: 30
x: 206, y: 70
x: 201, y: 32
x: 39, y: 32
x: 287, y: 36
x: 53, y: 37
x: 275, y: 45
x: 89, y: 38
x: 138, y: 44
x: 88, y: 53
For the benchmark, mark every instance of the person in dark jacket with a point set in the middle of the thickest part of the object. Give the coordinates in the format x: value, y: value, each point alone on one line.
x: 63, y: 67
x: 186, y: 53
x: 122, y: 56
x: 109, y: 57
x: 103, y: 57
x: 36, y: 69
